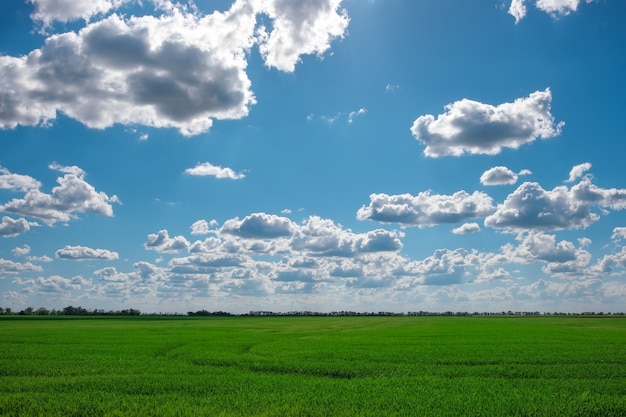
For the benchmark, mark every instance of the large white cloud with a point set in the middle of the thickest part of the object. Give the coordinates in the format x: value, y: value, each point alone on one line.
x: 72, y: 195
x: 531, y: 207
x: 426, y: 209
x: 179, y: 69
x: 471, y: 127
x: 83, y: 253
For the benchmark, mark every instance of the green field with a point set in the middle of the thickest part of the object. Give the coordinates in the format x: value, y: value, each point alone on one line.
x: 313, y: 366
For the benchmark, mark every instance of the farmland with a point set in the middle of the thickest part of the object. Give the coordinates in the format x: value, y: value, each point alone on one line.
x: 312, y: 366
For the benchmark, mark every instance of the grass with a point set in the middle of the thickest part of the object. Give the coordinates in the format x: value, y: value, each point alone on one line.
x: 313, y: 366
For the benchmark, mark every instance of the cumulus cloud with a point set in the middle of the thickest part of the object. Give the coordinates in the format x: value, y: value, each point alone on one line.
x: 466, y: 228
x: 444, y: 267
x: 299, y: 28
x: 472, y: 127
x: 9, y: 267
x: 619, y: 233
x: 323, y: 237
x: 202, y: 227
x: 179, y: 69
x: 72, y: 195
x: 21, y: 251
x: 578, y: 171
x: 531, y: 207
x: 17, y: 182
x: 48, y: 11
x: 207, y: 169
x: 501, y: 175
x: 163, y: 243
x: 426, y: 209
x: 82, y: 253
x: 259, y: 226
x: 12, y: 228
x: 517, y: 10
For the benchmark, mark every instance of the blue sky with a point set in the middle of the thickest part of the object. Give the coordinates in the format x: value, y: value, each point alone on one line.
x: 343, y: 155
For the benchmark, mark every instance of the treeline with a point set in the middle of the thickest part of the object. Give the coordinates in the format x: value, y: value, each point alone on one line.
x: 80, y: 311
x: 69, y: 311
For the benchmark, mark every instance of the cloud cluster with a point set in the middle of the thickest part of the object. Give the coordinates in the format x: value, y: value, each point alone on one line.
x: 471, y: 127
x: 530, y: 207
x: 554, y: 8
x: 426, y: 208
x: 177, y: 69
x: 72, y: 195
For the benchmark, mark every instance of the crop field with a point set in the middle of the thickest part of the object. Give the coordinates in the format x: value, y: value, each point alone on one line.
x: 313, y: 366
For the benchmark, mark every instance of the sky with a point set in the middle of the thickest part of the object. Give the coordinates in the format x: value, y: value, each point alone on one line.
x: 328, y: 155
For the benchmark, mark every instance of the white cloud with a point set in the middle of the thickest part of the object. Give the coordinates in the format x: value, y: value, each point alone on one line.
x: 517, y: 10
x: 179, y: 69
x: 554, y: 8
x: 471, y: 127
x: 72, y: 195
x: 353, y: 114
x: 9, y: 267
x: 323, y: 237
x: 426, y: 209
x: 577, y: 171
x: 21, y: 251
x: 207, y: 169
x: 48, y: 11
x: 82, y: 253
x: 163, y: 243
x: 17, y: 182
x: 532, y: 207
x: 12, y: 228
x: 444, y: 267
x: 619, y: 233
x: 466, y: 228
x: 202, y: 227
x: 557, y: 8
x: 259, y: 226
x: 497, y: 176
x: 299, y: 28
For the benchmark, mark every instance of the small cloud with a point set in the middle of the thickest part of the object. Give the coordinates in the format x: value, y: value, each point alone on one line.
x: 208, y: 169
x: 82, y: 253
x: 517, y: 10
x: 143, y: 136
x: 12, y: 228
x: 286, y: 211
x: 202, y: 227
x: 23, y: 251
x: 498, y: 176
x: 466, y: 228
x: 353, y: 114
x: 578, y: 171
x: 390, y: 88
